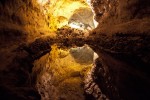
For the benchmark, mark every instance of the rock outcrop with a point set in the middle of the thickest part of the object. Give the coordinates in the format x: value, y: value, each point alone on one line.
x: 121, y: 41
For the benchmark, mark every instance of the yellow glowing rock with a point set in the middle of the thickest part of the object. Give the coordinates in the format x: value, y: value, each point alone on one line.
x: 54, y: 52
x: 42, y: 2
x: 58, y: 12
x: 62, y: 74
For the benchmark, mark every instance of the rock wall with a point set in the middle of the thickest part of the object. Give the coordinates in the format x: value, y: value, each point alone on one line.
x: 121, y: 41
x: 122, y: 68
x: 24, y: 16
x: 21, y: 21
x: 119, y: 11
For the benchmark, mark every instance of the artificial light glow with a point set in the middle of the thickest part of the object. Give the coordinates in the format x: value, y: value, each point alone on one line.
x: 75, y: 26
x: 42, y: 2
x: 58, y: 12
x: 95, y: 23
x: 88, y: 1
x: 66, y: 9
x: 79, y: 26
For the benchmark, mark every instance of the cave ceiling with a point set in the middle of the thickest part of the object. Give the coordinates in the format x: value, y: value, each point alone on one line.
x: 60, y: 12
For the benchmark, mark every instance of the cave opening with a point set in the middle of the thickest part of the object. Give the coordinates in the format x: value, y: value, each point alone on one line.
x: 64, y: 73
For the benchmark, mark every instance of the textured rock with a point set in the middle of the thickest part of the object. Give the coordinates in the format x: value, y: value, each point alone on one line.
x: 122, y: 69
x: 62, y: 77
x: 124, y: 60
x: 121, y: 40
x: 118, y: 11
x: 24, y: 15
x: 83, y: 16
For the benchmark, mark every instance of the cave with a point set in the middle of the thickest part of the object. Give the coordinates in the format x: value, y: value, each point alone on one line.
x: 63, y: 73
x: 74, y: 49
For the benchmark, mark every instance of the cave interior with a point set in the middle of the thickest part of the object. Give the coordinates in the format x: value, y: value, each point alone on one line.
x: 74, y: 49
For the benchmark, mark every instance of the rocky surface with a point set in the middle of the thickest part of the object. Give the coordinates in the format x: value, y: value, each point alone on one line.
x: 19, y: 20
x: 123, y: 72
x: 60, y: 73
x: 121, y: 40
x: 113, y: 12
x: 23, y: 15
